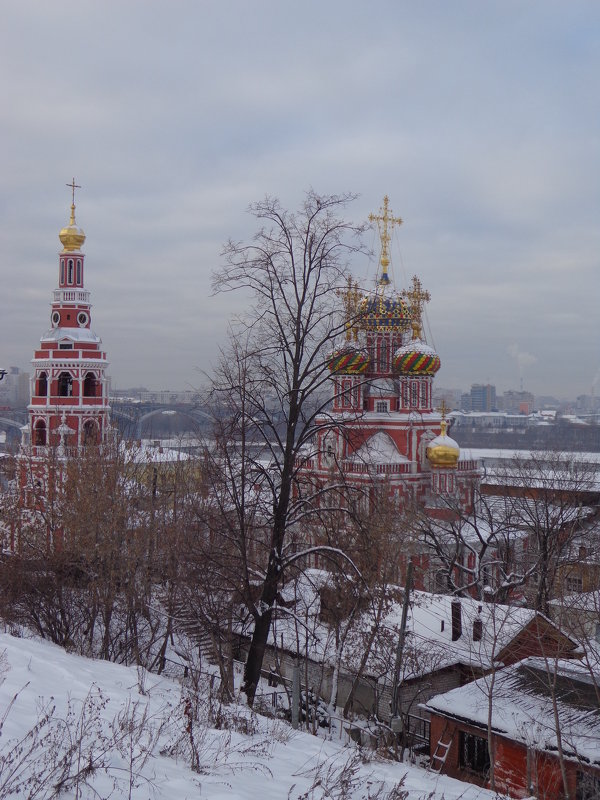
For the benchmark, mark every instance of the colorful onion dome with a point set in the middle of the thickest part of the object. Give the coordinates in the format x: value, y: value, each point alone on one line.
x: 72, y: 237
x: 443, y: 451
x: 380, y: 313
x: 348, y: 361
x: 417, y: 358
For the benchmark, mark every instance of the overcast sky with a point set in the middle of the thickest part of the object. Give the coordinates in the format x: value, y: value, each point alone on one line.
x: 479, y: 119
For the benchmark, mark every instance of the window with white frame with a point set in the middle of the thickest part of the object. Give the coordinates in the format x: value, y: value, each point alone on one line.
x: 346, y: 398
x: 414, y: 394
x: 383, y: 356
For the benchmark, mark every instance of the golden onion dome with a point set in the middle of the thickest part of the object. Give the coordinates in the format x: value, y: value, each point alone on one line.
x: 443, y: 451
x: 72, y: 237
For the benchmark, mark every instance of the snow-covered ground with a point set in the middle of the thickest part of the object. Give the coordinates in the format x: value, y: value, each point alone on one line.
x: 129, y: 734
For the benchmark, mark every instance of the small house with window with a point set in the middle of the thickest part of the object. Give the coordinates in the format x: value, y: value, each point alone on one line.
x: 534, y: 724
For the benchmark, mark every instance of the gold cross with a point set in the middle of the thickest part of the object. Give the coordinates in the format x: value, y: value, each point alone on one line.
x: 350, y: 298
x: 417, y: 297
x: 385, y: 221
x: 443, y: 409
x: 73, y: 186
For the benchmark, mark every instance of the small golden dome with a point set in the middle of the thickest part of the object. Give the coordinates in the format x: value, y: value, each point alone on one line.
x: 443, y: 451
x: 72, y: 237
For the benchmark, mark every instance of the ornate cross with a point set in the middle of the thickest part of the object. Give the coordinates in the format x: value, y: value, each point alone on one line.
x: 73, y: 186
x: 443, y: 409
x: 350, y: 298
x: 417, y: 297
x: 385, y: 221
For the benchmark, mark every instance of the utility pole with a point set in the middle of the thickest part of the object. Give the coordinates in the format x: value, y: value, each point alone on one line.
x: 296, y: 695
x: 396, y: 722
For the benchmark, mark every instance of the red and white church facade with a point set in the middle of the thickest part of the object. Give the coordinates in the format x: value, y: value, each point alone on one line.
x: 69, y: 391
x: 381, y: 429
x: 69, y: 407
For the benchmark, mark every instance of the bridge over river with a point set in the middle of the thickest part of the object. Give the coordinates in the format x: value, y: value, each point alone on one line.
x: 134, y: 420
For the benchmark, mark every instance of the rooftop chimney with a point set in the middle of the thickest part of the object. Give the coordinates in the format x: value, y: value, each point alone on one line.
x: 456, y: 620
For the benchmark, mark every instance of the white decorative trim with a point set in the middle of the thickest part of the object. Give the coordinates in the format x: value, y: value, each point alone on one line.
x: 71, y: 296
x: 81, y: 363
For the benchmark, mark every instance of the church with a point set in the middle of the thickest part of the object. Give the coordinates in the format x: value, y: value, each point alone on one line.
x: 381, y: 429
x: 69, y: 407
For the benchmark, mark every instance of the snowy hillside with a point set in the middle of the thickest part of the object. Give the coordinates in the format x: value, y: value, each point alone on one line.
x: 77, y: 728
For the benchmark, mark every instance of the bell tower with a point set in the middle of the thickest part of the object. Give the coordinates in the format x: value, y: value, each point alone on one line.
x: 69, y: 392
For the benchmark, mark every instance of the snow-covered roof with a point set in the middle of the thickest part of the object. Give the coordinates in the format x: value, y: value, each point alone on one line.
x: 582, y: 601
x: 73, y: 334
x: 378, y: 449
x: 145, y: 453
x: 503, y: 455
x: 522, y: 706
x: 429, y: 644
x: 430, y: 625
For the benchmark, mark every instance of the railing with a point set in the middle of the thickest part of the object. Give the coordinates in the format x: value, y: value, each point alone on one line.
x: 385, y: 469
x: 55, y: 400
x: 71, y: 296
x: 418, y: 728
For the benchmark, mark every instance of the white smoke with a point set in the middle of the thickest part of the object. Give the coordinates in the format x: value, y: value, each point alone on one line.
x: 522, y: 358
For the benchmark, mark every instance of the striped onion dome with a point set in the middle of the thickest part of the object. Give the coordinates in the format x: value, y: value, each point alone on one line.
x: 348, y: 361
x: 417, y: 358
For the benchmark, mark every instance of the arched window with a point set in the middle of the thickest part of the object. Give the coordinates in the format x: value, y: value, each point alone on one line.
x: 65, y: 385
x: 90, y: 432
x: 405, y: 393
x: 39, y: 434
x: 414, y: 394
x: 383, y: 356
x: 89, y: 385
x: 62, y: 273
x: 70, y: 271
x: 78, y: 281
x: 42, y: 385
x: 346, y: 396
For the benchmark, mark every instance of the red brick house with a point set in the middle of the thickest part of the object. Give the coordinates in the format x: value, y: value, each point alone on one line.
x: 523, y: 702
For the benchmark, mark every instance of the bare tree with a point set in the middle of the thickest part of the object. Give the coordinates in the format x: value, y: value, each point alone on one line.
x: 519, y: 536
x: 271, y: 381
x: 106, y: 584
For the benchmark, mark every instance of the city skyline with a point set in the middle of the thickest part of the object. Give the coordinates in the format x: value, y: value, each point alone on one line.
x: 479, y: 122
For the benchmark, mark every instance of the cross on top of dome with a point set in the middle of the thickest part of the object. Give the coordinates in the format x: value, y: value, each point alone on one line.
x: 385, y: 222
x: 71, y: 236
x: 417, y: 297
x: 73, y: 186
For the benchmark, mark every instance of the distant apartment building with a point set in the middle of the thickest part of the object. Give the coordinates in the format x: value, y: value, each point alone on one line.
x: 588, y: 404
x: 450, y: 398
x: 14, y: 388
x: 518, y: 402
x: 482, y: 397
